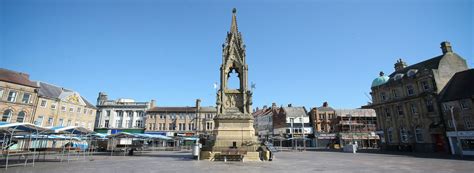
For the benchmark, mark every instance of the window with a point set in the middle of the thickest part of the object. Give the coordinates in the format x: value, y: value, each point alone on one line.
x: 63, y: 108
x: 71, y: 109
x: 414, y: 109
x: 429, y: 105
x: 419, y: 134
x: 21, y: 117
x: 39, y: 121
x: 50, y: 122
x: 171, y: 126
x: 389, y: 135
x: 60, y: 122
x: 128, y: 123
x: 426, y: 85
x: 383, y: 96
x: 403, y: 135
x: 85, y: 111
x: 410, y: 90
x: 387, y: 112
x: 118, y: 123
x: 395, y: 93
x: 53, y: 106
x: 130, y: 114
x: 162, y: 116
x: 78, y: 110
x: 106, y: 123
x: 468, y: 122
x: 120, y: 113
x: 43, y: 103
x: 107, y: 113
x: 26, y: 98
x: 68, y: 122
x: 90, y: 112
x: 12, y: 96
x: 161, y: 126
x: 464, y: 104
x: 208, y: 126
x: 1, y: 93
x: 400, y: 110
x: 139, y: 123
x: 6, y: 115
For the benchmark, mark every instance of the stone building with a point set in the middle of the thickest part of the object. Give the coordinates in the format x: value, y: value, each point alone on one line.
x: 357, y: 125
x: 180, y: 121
x: 18, y: 96
x: 458, y: 102
x: 121, y: 115
x: 323, y: 120
x: 406, y: 102
x: 290, y: 123
x: 58, y: 106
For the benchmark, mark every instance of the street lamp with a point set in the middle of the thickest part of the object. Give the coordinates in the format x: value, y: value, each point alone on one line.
x: 451, y: 108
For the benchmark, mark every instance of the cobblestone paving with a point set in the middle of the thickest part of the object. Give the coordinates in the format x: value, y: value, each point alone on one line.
x: 310, y: 161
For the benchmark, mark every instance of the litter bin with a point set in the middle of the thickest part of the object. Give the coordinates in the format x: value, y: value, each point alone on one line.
x: 196, y: 151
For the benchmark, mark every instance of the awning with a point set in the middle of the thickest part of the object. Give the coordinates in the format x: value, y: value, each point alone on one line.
x: 6, y: 127
x: 71, y: 129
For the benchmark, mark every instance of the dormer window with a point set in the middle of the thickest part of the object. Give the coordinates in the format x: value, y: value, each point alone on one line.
x: 412, y: 72
x: 398, y: 76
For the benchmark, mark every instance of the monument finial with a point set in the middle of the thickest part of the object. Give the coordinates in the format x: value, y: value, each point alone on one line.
x: 233, y: 25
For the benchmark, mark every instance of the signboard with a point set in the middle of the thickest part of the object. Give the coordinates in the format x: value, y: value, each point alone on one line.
x: 125, y: 141
x: 326, y: 136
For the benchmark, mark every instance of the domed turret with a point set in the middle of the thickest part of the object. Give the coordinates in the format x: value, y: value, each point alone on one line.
x: 380, y: 80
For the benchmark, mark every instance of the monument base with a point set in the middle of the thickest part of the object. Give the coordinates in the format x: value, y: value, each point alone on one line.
x: 209, y: 155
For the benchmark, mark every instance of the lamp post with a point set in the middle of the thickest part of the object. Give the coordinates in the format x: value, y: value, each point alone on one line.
x: 456, y: 131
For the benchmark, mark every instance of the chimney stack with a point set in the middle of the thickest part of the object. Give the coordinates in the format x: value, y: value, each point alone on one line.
x: 289, y: 105
x: 152, y: 103
x: 446, y: 47
x: 325, y: 104
x: 102, y: 98
x: 400, y: 65
x: 198, y: 103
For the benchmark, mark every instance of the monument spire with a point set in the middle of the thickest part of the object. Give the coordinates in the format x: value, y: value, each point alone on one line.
x: 233, y: 25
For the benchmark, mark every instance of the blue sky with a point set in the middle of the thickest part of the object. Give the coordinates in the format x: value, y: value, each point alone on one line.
x: 299, y: 52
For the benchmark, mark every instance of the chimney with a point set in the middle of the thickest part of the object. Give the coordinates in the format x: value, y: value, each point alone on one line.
x: 27, y: 76
x: 152, y: 103
x: 265, y: 107
x: 274, y: 105
x: 289, y: 105
x: 198, y: 103
x: 325, y: 104
x: 400, y: 65
x: 446, y: 47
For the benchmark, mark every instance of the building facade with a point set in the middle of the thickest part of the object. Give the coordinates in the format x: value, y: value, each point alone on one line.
x: 407, y: 106
x: 458, y: 111
x: 58, y: 106
x: 121, y: 115
x: 263, y: 123
x: 18, y: 97
x: 357, y: 125
x: 292, y: 126
x: 181, y: 121
x: 323, y: 120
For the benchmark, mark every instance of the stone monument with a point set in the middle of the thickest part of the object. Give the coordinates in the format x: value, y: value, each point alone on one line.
x: 234, y: 121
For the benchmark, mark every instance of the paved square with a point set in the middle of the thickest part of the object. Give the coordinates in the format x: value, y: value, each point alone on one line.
x: 310, y: 161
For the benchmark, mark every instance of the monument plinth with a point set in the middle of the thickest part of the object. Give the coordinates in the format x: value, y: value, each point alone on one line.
x: 234, y: 121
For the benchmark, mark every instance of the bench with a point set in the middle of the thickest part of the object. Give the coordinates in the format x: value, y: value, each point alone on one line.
x: 231, y: 154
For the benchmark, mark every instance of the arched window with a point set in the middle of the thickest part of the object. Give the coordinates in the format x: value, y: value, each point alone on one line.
x: 419, y: 134
x: 403, y: 135
x: 233, y: 80
x: 21, y: 117
x: 6, y: 115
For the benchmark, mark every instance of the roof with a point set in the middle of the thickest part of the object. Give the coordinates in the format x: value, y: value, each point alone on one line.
x: 432, y: 63
x: 16, y: 78
x: 459, y: 87
x: 326, y: 109
x: 53, y: 91
x: 295, y: 111
x: 356, y: 112
x: 71, y: 129
x: 262, y: 112
x: 208, y: 109
x: 172, y: 109
x: 22, y: 128
x: 380, y: 80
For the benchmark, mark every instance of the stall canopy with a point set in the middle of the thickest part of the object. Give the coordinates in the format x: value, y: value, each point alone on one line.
x: 19, y: 128
x: 71, y: 129
x: 138, y: 135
